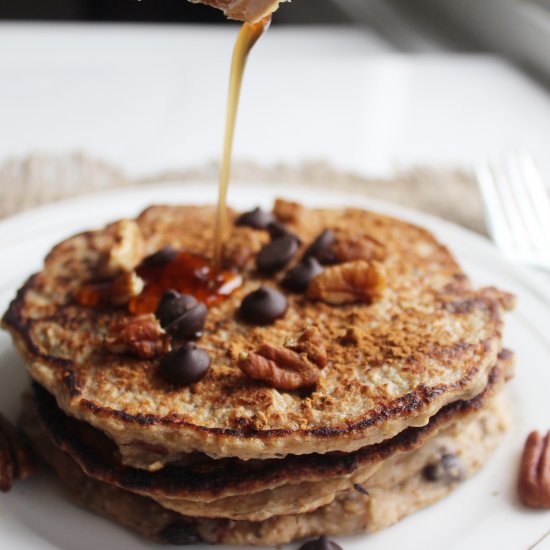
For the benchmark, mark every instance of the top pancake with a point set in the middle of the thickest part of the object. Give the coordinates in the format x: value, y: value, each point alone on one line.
x: 429, y: 340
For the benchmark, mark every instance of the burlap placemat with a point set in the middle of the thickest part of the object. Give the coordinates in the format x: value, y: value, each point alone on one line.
x: 30, y: 181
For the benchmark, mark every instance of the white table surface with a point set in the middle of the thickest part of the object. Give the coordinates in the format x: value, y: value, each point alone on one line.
x: 153, y: 97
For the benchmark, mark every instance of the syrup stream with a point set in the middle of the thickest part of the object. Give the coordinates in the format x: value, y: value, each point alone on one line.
x: 189, y: 273
x: 248, y: 36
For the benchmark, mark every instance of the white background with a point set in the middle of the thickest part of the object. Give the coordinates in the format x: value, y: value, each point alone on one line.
x: 152, y: 98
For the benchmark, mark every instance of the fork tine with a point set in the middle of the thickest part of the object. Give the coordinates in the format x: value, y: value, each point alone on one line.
x: 510, y: 206
x: 519, y: 183
x: 518, y: 208
x: 537, y: 194
x: 499, y: 227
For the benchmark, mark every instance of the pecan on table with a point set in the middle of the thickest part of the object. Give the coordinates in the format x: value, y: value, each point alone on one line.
x: 16, y: 459
x: 534, y: 473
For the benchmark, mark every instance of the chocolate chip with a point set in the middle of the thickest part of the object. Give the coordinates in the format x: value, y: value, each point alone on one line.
x: 163, y: 256
x: 172, y: 306
x: 360, y: 489
x: 263, y: 306
x: 189, y: 325
x: 180, y: 533
x: 185, y: 365
x: 277, y: 230
x: 276, y: 254
x: 257, y: 218
x: 447, y: 470
x: 322, y: 543
x: 320, y: 248
x: 297, y: 279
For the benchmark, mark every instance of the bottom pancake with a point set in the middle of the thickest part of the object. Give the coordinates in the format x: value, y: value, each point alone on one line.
x: 249, y: 491
x: 405, y: 483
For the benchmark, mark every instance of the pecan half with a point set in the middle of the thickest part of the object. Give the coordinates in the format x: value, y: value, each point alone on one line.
x: 127, y: 248
x: 310, y: 343
x: 357, y: 281
x: 288, y: 211
x: 279, y: 367
x: 16, y: 459
x: 141, y: 335
x: 534, y: 472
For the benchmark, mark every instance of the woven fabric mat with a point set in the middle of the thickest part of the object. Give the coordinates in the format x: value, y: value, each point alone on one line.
x: 26, y: 182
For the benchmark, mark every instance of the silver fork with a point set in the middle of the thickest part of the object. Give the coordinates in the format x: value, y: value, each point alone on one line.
x: 518, y: 208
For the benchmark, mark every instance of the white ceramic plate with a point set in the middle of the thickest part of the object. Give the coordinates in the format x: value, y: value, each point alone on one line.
x: 483, y: 513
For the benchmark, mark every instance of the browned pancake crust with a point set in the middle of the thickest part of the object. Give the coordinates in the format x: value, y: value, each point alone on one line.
x: 204, y: 478
x: 431, y: 340
x: 398, y: 489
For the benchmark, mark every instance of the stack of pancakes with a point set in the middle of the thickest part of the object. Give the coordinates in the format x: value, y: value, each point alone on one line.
x: 407, y: 407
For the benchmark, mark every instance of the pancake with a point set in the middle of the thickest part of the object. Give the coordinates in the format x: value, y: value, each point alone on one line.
x: 249, y: 490
x: 429, y: 340
x: 403, y: 485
